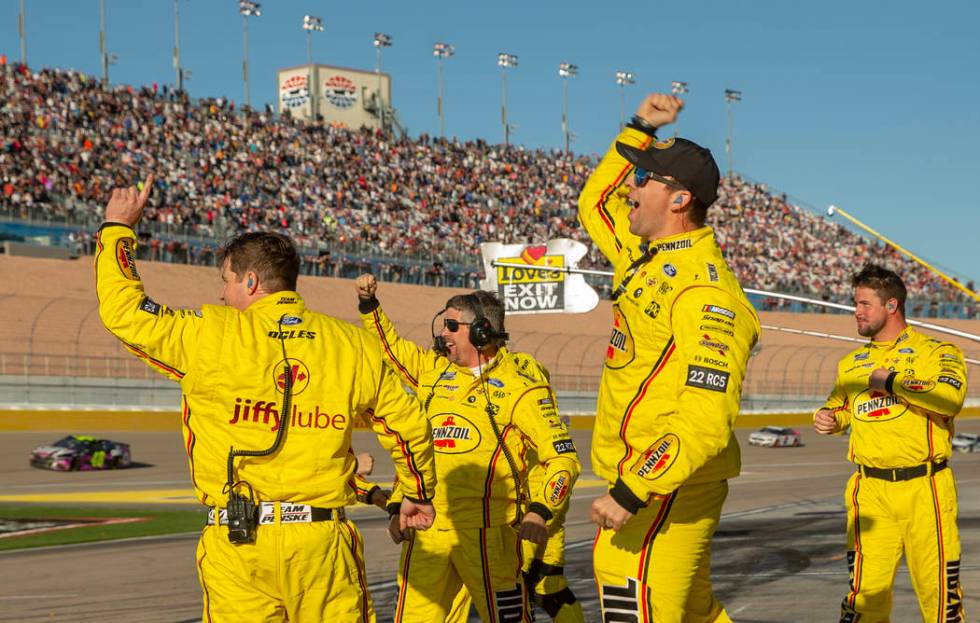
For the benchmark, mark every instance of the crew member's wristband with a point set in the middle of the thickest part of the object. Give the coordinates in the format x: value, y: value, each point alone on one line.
x: 890, y: 382
x: 366, y: 306
x: 393, y: 508
x: 626, y: 498
x: 641, y: 124
x: 540, y: 509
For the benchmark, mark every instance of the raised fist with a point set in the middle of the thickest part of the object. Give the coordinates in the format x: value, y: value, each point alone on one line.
x: 659, y: 109
x: 366, y: 285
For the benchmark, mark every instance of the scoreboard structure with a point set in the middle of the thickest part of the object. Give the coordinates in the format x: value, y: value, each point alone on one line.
x: 340, y: 95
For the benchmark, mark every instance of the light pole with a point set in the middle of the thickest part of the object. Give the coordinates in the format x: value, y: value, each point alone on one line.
x: 177, y: 68
x: 23, y: 34
x: 731, y: 96
x: 381, y: 40
x: 104, y: 56
x: 565, y: 71
x: 623, y: 79
x: 505, y: 60
x: 441, y: 51
x: 312, y: 24
x: 678, y: 88
x: 248, y: 9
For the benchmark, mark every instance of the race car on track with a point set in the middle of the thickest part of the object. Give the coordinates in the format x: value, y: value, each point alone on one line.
x: 79, y: 452
x: 773, y: 436
x: 966, y: 442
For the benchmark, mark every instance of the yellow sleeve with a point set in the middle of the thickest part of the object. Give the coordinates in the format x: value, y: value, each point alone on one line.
x: 363, y: 488
x: 407, y: 359
x: 536, y: 415
x: 164, y: 338
x: 711, y: 370
x: 402, y: 430
x: 837, y: 400
x: 939, y: 384
x: 602, y: 208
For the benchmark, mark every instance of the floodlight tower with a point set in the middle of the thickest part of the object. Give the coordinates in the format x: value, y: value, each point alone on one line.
x: 731, y: 96
x: 623, y: 79
x: 441, y: 51
x: 381, y: 40
x: 565, y: 71
x: 678, y: 88
x: 311, y: 25
x: 505, y: 61
x: 248, y: 9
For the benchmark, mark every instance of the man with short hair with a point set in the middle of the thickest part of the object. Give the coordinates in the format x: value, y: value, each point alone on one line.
x: 281, y: 386
x: 898, y: 394
x: 505, y: 462
x: 681, y: 337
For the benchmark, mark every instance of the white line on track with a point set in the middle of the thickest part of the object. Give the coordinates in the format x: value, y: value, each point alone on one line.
x: 50, y: 596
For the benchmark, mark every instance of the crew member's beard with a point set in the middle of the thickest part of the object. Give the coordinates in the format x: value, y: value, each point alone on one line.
x: 871, y: 330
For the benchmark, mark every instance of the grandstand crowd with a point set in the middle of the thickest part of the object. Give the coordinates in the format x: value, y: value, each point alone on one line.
x: 412, y: 210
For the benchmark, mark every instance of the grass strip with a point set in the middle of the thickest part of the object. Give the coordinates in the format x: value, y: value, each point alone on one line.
x: 155, y: 522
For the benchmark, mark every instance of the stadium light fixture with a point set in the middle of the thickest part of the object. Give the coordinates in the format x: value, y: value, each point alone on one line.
x: 566, y: 71
x: 103, y: 55
x: 505, y: 61
x: 176, y: 60
x: 731, y: 96
x: 312, y: 24
x: 381, y: 40
x: 22, y: 31
x: 248, y: 9
x: 623, y: 79
x: 441, y: 51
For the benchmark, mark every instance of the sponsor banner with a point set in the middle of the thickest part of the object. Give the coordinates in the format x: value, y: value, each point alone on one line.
x: 294, y: 91
x: 531, y: 279
x: 340, y: 91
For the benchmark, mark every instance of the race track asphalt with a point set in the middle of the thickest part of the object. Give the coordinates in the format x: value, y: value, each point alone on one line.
x: 778, y: 554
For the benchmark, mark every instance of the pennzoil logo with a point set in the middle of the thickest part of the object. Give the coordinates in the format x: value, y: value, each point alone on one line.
x: 125, y: 258
x: 619, y: 353
x: 658, y: 458
x: 530, y: 281
x: 453, y: 433
x: 557, y: 488
x: 874, y: 406
x: 918, y: 385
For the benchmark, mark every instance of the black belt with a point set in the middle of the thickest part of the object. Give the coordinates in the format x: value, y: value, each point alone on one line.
x: 897, y: 474
x: 288, y: 513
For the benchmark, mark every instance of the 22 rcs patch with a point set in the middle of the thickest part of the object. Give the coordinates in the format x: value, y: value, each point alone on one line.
x: 707, y: 378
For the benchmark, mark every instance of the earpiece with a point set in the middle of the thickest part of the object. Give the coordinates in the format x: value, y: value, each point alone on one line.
x: 679, y: 199
x: 891, y: 307
x: 249, y: 284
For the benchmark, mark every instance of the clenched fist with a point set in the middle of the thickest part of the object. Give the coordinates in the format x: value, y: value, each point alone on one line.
x: 366, y: 285
x: 659, y: 109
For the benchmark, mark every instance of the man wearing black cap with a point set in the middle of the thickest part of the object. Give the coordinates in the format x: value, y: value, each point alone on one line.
x: 681, y: 337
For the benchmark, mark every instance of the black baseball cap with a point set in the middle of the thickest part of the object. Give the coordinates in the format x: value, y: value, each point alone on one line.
x: 691, y: 165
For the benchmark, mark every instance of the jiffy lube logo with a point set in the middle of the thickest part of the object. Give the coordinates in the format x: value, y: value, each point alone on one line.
x: 295, y: 91
x: 453, y: 434
x: 874, y: 406
x: 530, y: 281
x: 619, y: 353
x: 340, y: 91
x: 299, y: 374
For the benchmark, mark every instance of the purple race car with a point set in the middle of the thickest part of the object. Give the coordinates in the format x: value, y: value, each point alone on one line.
x: 79, y: 452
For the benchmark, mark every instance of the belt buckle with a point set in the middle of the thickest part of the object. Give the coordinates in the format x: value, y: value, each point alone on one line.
x: 895, y: 471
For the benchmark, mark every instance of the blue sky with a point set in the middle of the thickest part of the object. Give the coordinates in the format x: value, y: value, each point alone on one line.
x: 872, y: 106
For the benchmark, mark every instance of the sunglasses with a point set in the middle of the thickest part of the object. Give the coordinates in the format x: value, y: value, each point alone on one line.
x: 641, y: 176
x: 453, y: 325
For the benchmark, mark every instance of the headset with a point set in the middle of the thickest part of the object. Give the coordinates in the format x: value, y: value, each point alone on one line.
x: 482, y: 333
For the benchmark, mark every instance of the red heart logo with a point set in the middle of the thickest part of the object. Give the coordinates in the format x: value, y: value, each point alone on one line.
x: 533, y: 255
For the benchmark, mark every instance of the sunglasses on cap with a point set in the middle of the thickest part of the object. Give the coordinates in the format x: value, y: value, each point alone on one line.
x: 641, y: 176
x: 453, y: 325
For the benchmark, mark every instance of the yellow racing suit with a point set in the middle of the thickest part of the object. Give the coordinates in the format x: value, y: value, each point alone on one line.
x: 473, y: 541
x: 672, y: 379
x: 306, y: 561
x: 903, y: 495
